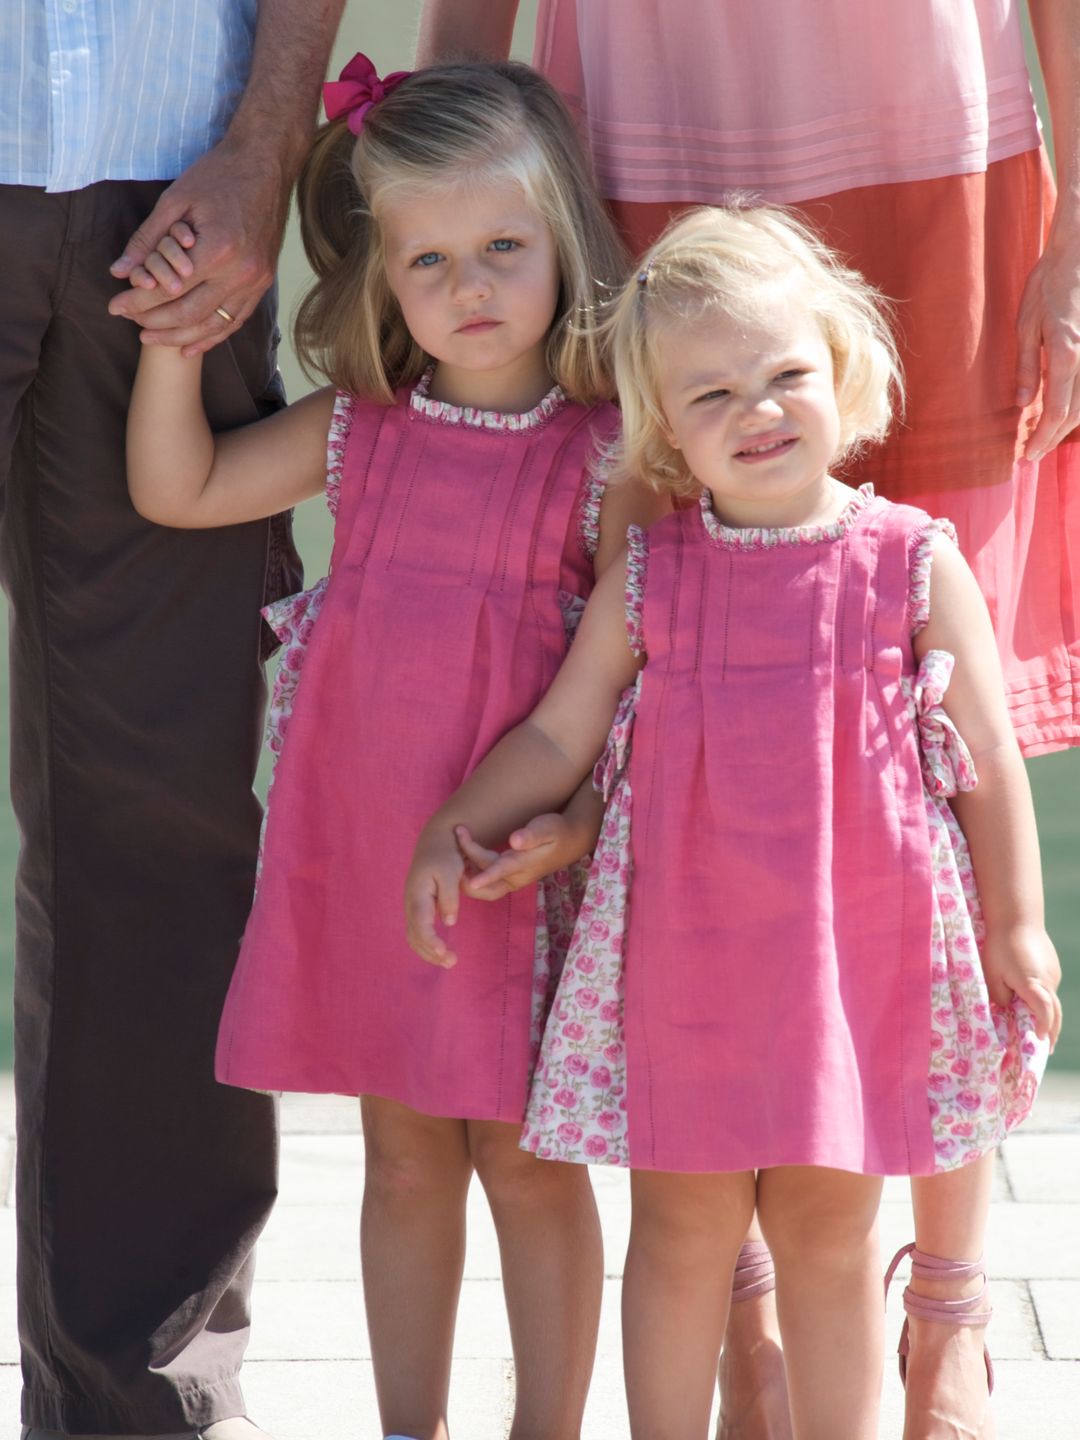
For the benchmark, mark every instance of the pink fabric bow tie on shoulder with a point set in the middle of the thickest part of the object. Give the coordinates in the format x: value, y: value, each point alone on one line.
x: 357, y: 89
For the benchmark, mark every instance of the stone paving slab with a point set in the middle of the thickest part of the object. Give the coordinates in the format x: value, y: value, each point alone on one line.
x: 336, y: 1400
x: 1044, y: 1167
x: 1057, y: 1303
x: 325, y: 1321
x: 309, y: 1372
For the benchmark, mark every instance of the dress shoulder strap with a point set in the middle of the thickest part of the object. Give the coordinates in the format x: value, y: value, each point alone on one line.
x: 336, y: 441
x: 637, y: 568
x: 920, y: 560
x: 355, y: 424
x: 595, y: 478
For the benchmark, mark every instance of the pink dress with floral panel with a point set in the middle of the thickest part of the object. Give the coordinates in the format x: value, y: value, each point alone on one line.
x: 460, y: 560
x: 293, y: 619
x: 985, y: 1061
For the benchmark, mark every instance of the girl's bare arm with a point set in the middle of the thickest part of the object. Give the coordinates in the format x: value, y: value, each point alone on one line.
x: 997, y: 817
x: 183, y: 475
x: 533, y: 769
x: 553, y: 840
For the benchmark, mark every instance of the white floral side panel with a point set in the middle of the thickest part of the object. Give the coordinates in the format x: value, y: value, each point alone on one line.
x: 293, y: 617
x: 577, y: 1103
x: 559, y: 895
x: 292, y: 620
x: 985, y: 1061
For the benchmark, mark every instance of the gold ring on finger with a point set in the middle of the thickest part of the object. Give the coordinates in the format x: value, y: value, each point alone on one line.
x: 229, y: 319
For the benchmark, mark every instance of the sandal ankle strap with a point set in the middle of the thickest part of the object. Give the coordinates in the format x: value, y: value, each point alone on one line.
x: 968, y: 1310
x: 754, y: 1273
x: 972, y: 1310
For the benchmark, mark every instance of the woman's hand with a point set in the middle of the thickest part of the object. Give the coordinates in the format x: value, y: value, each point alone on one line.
x: 1048, y: 330
x: 1023, y: 962
x: 432, y: 891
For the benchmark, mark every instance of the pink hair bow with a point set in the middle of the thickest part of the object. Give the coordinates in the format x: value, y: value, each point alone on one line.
x: 357, y: 89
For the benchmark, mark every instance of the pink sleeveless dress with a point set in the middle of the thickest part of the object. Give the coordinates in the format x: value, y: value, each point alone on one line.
x: 438, y: 628
x: 796, y: 980
x: 907, y: 135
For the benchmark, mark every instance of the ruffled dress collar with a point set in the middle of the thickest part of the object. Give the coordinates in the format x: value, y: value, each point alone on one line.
x: 443, y: 413
x: 764, y: 537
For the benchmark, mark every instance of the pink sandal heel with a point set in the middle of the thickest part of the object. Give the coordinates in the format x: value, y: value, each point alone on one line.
x: 754, y: 1273
x: 973, y: 1310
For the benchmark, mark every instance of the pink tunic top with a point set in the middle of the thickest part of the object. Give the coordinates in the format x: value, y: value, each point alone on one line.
x: 439, y: 629
x: 796, y: 981
x: 985, y: 1061
x: 786, y: 98
x: 778, y: 958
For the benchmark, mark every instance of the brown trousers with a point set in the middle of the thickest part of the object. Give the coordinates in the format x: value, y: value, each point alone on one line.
x: 137, y: 692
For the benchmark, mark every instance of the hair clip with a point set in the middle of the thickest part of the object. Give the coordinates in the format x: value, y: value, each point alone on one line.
x: 357, y: 89
x: 643, y: 276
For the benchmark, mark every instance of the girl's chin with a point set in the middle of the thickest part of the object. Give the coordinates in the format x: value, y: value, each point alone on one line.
x: 769, y: 506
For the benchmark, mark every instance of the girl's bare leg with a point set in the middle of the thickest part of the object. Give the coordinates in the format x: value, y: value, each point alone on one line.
x: 412, y: 1248
x: 947, y: 1395
x: 684, y: 1237
x: 821, y: 1226
x: 753, y: 1383
x: 553, y: 1274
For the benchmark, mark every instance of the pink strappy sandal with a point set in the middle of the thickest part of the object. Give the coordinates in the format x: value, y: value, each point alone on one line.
x: 973, y: 1310
x: 754, y: 1273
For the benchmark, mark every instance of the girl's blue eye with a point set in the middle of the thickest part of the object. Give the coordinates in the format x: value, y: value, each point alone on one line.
x: 790, y: 374
x: 714, y: 395
x: 429, y: 258
x: 504, y: 246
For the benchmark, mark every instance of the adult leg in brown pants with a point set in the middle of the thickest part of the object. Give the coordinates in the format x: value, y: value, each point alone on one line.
x: 136, y: 697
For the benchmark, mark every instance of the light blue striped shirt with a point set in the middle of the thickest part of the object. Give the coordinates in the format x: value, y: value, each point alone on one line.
x: 117, y: 89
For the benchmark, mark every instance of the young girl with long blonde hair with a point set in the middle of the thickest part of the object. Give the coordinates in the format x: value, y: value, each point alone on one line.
x: 458, y: 248
x: 820, y: 765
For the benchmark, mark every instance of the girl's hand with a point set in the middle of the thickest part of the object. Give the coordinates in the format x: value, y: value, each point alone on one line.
x: 1024, y: 962
x: 546, y: 844
x: 168, y: 264
x: 234, y: 202
x: 431, y: 893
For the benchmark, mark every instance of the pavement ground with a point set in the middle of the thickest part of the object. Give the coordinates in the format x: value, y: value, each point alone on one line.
x: 308, y: 1374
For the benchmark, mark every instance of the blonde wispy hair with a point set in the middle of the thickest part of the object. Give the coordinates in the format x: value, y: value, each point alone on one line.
x: 467, y: 123
x: 732, y: 260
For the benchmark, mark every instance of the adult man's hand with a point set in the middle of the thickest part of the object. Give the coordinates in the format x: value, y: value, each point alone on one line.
x: 235, y: 200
